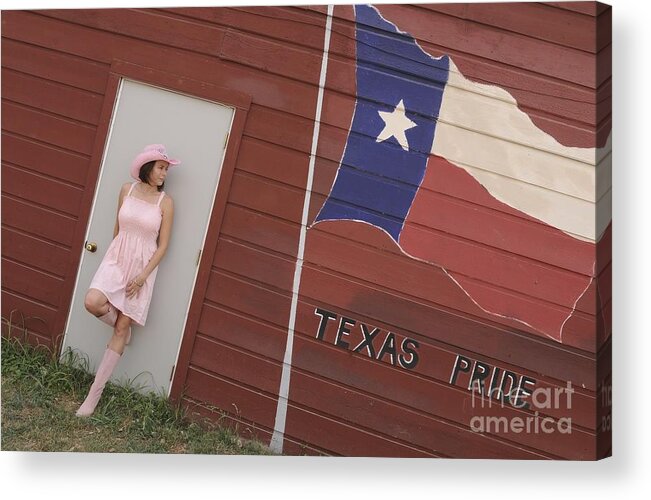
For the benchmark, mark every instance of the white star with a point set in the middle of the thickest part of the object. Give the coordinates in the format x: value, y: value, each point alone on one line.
x: 395, y: 125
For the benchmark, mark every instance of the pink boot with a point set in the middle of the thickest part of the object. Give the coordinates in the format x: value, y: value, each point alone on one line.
x: 106, y: 367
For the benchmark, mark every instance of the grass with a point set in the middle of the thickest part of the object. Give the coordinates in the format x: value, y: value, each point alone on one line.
x: 41, y: 393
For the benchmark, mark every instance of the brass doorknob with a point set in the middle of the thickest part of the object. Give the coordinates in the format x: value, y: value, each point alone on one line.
x: 91, y: 246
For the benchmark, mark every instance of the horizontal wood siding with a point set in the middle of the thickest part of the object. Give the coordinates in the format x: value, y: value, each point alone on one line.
x: 359, y: 273
x: 55, y: 69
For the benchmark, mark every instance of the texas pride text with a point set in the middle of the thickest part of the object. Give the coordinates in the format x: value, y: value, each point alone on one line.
x: 379, y: 345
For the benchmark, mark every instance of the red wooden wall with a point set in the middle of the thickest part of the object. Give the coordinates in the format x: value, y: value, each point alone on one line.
x: 55, y: 68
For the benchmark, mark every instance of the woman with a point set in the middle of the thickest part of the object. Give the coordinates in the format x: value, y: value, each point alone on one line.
x: 121, y: 290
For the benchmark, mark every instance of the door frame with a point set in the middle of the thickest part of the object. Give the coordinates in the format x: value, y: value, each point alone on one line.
x: 241, y: 102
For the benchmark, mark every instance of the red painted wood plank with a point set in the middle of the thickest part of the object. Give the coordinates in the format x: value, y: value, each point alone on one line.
x: 34, y: 339
x: 455, y: 255
x: 444, y: 292
x: 605, y: 326
x: 42, y: 190
x: 533, y: 20
x: 146, y: 24
x: 517, y: 231
x: 396, y: 422
x: 582, y: 418
x: 199, y: 413
x: 214, y: 361
x: 266, y: 89
x: 603, y: 98
x: 279, y: 58
x: 441, y: 353
x: 261, y: 265
x: 484, y: 41
x: 231, y: 397
x: 208, y: 416
x: 31, y: 283
x: 405, y: 278
x: 243, y: 331
x: 38, y: 221
x: 261, y: 229
x: 605, y: 285
x: 344, y: 46
x: 282, y: 59
x: 605, y: 361
x: 59, y: 67
x: 587, y: 8
x: 436, y: 362
x: 256, y: 155
x: 350, y: 255
x: 604, y: 25
x: 40, y: 30
x: 461, y: 185
x: 341, y: 439
x: 451, y: 201
x: 35, y: 252
x: 231, y: 321
x: 56, y: 98
x: 56, y: 131
x: 541, y: 319
x: 280, y: 128
x: 465, y: 331
x: 235, y: 291
x: 470, y: 221
x: 604, y: 248
x: 455, y: 405
x: 25, y: 313
x: 261, y: 303
x: 322, y: 9
x: 498, y: 230
x: 264, y: 305
x: 40, y: 157
x: 580, y: 332
x: 601, y: 302
x: 604, y: 70
x: 234, y: 364
x: 281, y: 23
x: 604, y: 412
x: 267, y: 197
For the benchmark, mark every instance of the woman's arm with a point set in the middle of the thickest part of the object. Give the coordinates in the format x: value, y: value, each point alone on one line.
x: 167, y: 207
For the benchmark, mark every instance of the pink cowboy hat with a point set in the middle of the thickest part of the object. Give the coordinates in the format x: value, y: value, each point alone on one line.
x: 152, y: 152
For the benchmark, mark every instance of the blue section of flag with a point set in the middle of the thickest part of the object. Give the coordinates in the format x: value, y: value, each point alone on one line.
x: 377, y: 181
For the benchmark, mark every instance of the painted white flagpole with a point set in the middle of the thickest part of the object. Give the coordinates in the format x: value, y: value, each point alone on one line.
x: 277, y: 438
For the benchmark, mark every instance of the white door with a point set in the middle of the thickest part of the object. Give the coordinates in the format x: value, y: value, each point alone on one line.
x: 195, y: 131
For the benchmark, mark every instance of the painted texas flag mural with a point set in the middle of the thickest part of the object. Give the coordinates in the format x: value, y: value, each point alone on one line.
x: 419, y: 124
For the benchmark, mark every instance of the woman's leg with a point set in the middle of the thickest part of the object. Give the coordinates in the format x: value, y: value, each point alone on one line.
x: 112, y: 355
x: 121, y: 333
x: 96, y: 302
x: 104, y: 371
x: 98, y: 305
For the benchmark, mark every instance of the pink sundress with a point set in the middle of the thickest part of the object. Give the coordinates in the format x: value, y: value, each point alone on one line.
x: 128, y: 254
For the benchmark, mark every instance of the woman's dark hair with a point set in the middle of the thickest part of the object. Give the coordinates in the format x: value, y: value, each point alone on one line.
x: 145, y: 170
